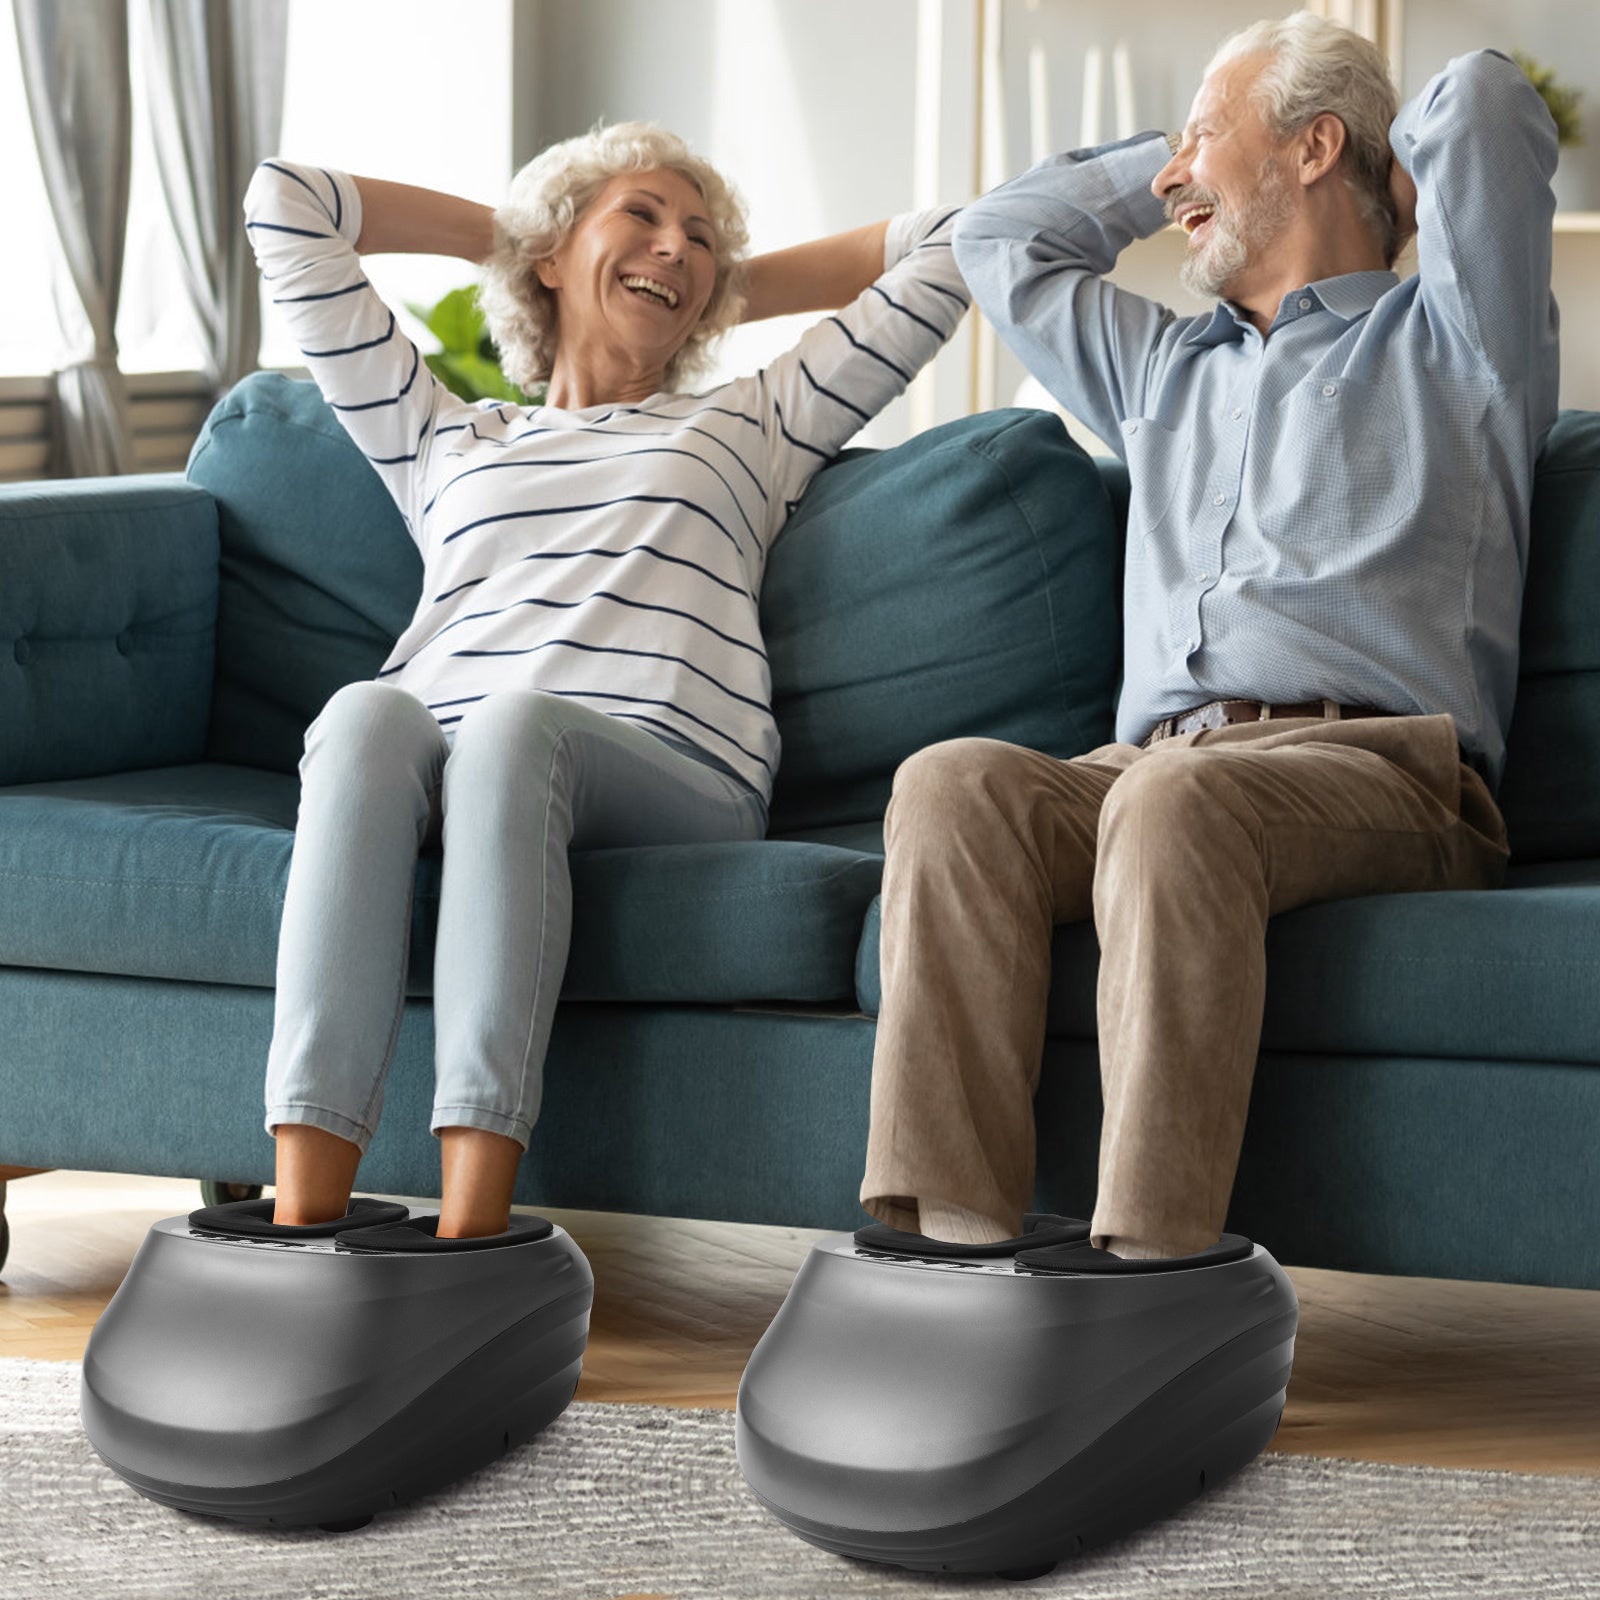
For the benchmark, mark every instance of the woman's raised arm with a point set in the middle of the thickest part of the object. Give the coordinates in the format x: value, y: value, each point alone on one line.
x: 402, y: 217
x: 819, y: 276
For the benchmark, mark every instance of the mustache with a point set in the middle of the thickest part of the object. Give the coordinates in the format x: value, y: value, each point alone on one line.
x: 1190, y: 194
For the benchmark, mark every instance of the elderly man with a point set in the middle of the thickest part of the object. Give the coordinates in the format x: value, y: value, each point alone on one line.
x: 1331, y: 478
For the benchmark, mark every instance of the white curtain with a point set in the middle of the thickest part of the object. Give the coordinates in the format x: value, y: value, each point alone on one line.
x: 216, y: 99
x: 75, y: 66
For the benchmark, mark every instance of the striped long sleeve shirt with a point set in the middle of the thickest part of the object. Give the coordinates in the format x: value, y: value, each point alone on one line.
x: 612, y: 554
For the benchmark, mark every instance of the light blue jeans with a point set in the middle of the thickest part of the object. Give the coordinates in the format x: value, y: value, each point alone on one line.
x: 522, y: 776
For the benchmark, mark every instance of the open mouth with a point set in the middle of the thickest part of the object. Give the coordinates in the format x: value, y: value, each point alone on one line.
x: 1195, y: 218
x: 660, y: 294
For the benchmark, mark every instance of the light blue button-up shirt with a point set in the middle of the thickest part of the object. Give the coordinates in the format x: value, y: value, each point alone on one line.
x: 1340, y: 508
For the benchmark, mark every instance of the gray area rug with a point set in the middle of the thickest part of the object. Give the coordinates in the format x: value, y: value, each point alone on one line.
x: 647, y: 1501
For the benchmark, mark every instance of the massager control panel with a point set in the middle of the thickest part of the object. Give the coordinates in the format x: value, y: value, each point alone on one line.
x: 319, y: 1246
x: 998, y: 1266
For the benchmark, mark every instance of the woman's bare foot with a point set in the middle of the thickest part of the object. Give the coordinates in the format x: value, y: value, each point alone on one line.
x: 480, y: 1171
x: 316, y: 1172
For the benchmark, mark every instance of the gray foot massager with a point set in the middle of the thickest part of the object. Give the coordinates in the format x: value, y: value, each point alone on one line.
x: 998, y: 1408
x: 321, y: 1374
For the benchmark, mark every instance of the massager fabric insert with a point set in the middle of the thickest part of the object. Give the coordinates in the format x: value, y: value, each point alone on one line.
x: 287, y: 1380
x: 979, y: 1413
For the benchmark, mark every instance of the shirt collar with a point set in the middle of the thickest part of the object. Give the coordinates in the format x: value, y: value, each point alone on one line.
x: 1225, y: 326
x: 1353, y: 294
x: 1349, y: 296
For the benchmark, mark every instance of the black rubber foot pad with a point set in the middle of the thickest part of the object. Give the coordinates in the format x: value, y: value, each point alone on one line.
x: 421, y: 1233
x: 252, y: 1219
x: 1085, y: 1258
x: 1039, y: 1229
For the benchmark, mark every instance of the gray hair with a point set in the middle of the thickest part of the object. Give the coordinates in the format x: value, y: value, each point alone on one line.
x: 1315, y: 67
x: 547, y: 198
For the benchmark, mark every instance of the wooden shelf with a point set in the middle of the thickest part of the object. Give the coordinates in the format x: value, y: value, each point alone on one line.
x: 1577, y: 222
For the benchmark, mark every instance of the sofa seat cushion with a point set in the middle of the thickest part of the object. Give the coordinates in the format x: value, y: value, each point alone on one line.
x: 179, y: 872
x: 1507, y: 975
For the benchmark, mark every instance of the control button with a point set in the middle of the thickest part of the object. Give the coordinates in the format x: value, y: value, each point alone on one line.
x: 23, y: 651
x: 1330, y: 389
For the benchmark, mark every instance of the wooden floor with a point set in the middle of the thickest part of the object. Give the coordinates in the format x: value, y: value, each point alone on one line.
x: 1386, y: 1369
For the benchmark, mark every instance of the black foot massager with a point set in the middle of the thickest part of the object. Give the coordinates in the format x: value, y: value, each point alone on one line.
x: 996, y: 1408
x: 320, y: 1374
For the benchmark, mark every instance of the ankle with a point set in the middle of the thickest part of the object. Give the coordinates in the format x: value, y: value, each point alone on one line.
x: 1138, y: 1250
x: 470, y: 1226
x: 290, y: 1213
x: 953, y: 1224
x: 315, y: 1175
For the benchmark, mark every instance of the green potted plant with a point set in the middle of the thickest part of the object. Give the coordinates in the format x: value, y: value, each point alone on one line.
x: 1562, y: 102
x: 468, y: 365
x: 1574, y: 182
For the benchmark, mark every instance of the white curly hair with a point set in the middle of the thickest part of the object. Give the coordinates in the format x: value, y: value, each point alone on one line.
x: 1317, y: 66
x: 547, y: 198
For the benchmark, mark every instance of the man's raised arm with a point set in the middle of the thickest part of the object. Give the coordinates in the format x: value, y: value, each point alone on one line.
x: 1034, y: 253
x: 1480, y: 147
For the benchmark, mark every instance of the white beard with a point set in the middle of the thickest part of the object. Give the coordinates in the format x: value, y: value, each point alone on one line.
x: 1234, y: 236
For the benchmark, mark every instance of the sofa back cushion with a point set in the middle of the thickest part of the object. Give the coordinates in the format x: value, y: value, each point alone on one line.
x: 318, y: 573
x: 108, y: 596
x: 963, y: 583
x: 1550, y: 793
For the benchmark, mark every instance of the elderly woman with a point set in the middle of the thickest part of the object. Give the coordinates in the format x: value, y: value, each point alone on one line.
x: 585, y: 665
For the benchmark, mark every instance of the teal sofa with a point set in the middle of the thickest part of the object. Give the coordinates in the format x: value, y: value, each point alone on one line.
x: 1428, y: 1098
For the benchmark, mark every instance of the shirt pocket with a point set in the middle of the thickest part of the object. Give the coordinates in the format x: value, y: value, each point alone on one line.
x: 1157, y: 459
x: 1343, y: 468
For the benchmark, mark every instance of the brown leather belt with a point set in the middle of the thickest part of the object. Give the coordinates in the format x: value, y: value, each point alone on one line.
x: 1224, y: 713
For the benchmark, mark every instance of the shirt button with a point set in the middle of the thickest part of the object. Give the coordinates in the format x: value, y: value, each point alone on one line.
x: 1305, y: 302
x: 1219, y: 500
x: 1330, y: 389
x: 1200, y: 577
x: 1133, y: 427
x: 1237, y: 413
x: 1190, y: 644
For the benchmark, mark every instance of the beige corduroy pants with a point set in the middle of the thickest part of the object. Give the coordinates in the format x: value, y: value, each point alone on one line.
x: 1180, y: 852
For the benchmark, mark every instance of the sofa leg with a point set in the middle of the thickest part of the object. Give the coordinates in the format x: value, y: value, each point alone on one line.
x: 6, y: 1175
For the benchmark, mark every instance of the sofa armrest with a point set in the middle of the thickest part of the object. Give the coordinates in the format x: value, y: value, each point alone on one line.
x: 108, y: 608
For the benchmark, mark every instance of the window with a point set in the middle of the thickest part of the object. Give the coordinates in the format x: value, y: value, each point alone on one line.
x: 29, y: 339
x: 368, y: 88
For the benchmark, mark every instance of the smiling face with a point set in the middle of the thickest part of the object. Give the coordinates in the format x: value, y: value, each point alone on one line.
x: 1227, y: 186
x: 633, y: 277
